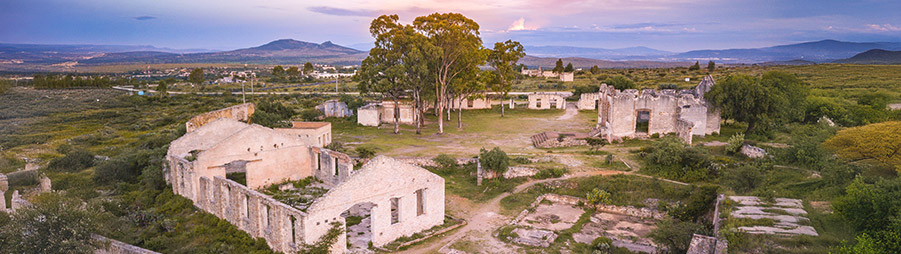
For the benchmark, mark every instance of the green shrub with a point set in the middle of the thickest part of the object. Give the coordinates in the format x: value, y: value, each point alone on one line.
x: 550, y: 173
x: 700, y: 203
x: 445, y: 161
x: 735, y: 142
x: 365, y: 151
x: 75, y: 160
x: 598, y: 197
x: 494, y: 160
x: 676, y: 235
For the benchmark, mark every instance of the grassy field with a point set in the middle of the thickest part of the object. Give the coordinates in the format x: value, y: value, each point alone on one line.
x: 481, y: 129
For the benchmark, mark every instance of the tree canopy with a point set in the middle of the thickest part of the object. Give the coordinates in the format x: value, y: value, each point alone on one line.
x: 54, y: 224
x: 775, y: 96
x: 458, y: 51
x: 621, y: 82
x: 569, y: 68
x: 502, y: 58
x: 196, y: 76
x: 558, y: 66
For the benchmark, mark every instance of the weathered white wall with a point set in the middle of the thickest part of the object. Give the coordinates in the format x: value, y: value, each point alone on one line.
x: 589, y: 101
x: 545, y: 100
x: 369, y: 115
x: 320, y: 137
x: 378, y: 181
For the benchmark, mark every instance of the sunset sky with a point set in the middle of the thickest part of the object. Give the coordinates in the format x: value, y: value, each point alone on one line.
x: 674, y: 25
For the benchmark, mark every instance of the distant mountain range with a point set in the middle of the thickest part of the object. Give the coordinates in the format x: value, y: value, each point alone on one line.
x: 818, y: 52
x: 288, y: 51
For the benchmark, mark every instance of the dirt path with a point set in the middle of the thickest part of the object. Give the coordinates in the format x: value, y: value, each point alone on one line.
x: 571, y: 111
x: 486, y: 217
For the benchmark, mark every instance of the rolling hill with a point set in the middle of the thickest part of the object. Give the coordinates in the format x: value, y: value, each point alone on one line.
x: 874, y: 56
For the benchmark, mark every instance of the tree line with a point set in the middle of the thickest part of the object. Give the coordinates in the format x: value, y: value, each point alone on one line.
x: 435, y: 59
x: 51, y: 81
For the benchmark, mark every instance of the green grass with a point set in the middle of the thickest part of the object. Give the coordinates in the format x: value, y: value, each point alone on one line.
x: 461, y: 182
x: 625, y: 190
x: 482, y: 129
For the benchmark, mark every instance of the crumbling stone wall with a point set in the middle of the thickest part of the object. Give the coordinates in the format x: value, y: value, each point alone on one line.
x: 282, y: 226
x: 589, y: 101
x: 238, y: 112
x: 482, y: 102
x: 546, y: 101
x: 407, y: 116
x: 334, y: 108
x: 329, y: 166
x: 684, y: 112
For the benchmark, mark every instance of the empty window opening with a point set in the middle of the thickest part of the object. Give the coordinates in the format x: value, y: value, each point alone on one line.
x: 537, y: 103
x: 293, y: 229
x: 420, y: 202
x: 246, y: 206
x: 318, y: 161
x: 395, y: 210
x: 642, y: 121
x: 469, y: 103
x: 336, y: 166
x: 553, y: 103
x: 265, y: 216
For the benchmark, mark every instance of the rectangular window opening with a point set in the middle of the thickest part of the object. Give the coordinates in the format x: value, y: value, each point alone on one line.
x: 395, y: 210
x: 336, y: 166
x: 420, y: 202
x: 246, y: 206
x: 293, y: 230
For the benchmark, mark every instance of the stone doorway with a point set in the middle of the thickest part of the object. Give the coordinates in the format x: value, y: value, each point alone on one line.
x: 359, y: 227
x: 642, y: 121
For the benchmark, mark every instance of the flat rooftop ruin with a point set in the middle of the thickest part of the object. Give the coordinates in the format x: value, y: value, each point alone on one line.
x: 308, y: 189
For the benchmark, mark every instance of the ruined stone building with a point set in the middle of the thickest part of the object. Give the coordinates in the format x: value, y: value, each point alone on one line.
x: 547, y: 101
x: 565, y: 77
x: 223, y: 165
x: 375, y: 114
x: 631, y: 113
x: 314, y: 133
x: 334, y: 108
x: 589, y: 101
x: 479, y: 102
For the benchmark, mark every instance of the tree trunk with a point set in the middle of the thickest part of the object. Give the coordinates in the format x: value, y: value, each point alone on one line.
x: 503, y: 98
x: 396, y: 116
x: 460, y: 114
x: 417, y: 110
x: 440, y: 102
x: 751, y: 126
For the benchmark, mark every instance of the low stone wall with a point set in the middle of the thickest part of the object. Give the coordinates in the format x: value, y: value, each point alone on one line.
x: 117, y: 247
x: 514, y: 172
x: 429, y: 162
x: 570, y: 200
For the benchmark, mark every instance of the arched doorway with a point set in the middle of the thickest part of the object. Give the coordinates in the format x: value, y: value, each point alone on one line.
x: 359, y: 227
